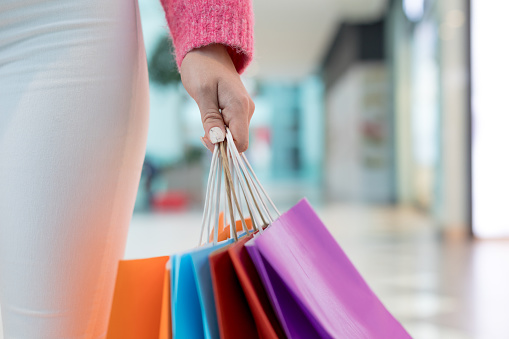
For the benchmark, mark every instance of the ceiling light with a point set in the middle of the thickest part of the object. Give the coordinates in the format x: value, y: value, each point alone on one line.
x: 414, y: 9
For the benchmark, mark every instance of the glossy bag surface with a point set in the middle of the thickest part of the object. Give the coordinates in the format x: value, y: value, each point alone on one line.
x: 265, y: 318
x: 315, y: 289
x: 140, y: 301
x: 233, y: 313
x: 193, y: 306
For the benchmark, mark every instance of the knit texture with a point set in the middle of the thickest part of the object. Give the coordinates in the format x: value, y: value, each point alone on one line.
x: 197, y: 23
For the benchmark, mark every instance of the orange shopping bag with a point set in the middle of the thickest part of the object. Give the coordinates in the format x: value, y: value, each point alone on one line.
x: 141, y: 301
x: 224, y: 232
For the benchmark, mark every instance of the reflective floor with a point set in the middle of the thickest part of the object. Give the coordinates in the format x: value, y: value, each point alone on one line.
x: 436, y: 288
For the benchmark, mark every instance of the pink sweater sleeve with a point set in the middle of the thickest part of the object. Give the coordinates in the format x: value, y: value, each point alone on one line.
x: 197, y: 23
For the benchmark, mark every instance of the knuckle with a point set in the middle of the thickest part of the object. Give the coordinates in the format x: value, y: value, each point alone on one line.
x: 242, y: 102
x: 211, y: 115
x: 242, y: 145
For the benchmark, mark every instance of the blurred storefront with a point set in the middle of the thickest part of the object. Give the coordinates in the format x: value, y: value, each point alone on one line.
x: 397, y: 111
x: 429, y: 61
x: 359, y: 165
x: 428, y: 56
x: 382, y: 119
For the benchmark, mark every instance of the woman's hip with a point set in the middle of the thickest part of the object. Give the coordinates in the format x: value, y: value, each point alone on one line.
x: 51, y: 44
x: 78, y: 65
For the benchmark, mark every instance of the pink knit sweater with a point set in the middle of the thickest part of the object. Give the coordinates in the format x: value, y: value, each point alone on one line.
x: 197, y: 23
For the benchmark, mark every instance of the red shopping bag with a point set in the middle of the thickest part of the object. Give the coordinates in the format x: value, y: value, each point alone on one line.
x: 141, y: 300
x: 233, y: 314
x: 243, y: 308
x: 261, y: 309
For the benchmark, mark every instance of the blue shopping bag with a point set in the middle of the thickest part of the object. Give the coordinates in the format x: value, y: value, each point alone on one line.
x: 192, y: 304
x: 193, y: 307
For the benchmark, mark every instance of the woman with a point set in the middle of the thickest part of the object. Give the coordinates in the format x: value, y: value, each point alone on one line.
x: 73, y: 127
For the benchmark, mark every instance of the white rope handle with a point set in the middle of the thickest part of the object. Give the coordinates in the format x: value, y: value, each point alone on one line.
x: 257, y: 196
x: 212, y: 199
x: 235, y: 190
x: 242, y: 171
x: 206, y: 216
x: 259, y: 184
x: 216, y: 203
x: 241, y: 179
x: 242, y: 159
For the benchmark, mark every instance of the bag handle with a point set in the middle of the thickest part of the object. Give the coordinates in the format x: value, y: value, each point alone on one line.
x: 238, y: 184
x: 241, y: 171
x: 211, y: 185
x: 243, y: 182
x: 213, y: 198
x: 250, y: 175
x: 243, y: 156
x: 229, y: 188
x: 231, y: 206
x: 239, y: 178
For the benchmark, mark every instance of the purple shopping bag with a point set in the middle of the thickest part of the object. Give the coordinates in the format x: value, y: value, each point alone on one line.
x: 313, y: 286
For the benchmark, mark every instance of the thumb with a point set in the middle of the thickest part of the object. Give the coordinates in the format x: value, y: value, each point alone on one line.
x: 212, y: 120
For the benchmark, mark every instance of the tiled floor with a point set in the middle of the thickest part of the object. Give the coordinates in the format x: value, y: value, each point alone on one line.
x: 437, y: 289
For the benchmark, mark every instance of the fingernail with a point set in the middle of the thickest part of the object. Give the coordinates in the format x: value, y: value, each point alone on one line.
x: 216, y: 135
x: 203, y: 142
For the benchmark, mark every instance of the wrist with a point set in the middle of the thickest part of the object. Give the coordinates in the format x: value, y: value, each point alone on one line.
x: 215, y: 51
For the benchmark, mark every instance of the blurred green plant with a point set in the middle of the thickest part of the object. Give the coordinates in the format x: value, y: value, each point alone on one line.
x: 162, y: 67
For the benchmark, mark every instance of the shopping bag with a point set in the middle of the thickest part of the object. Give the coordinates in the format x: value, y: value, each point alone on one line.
x: 237, y: 319
x: 233, y: 313
x: 165, y: 324
x: 224, y: 232
x: 265, y: 318
x: 140, y: 307
x: 243, y: 308
x: 313, y: 286
x: 193, y: 306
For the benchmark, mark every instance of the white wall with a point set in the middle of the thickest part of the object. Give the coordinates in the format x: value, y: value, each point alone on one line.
x: 358, y: 167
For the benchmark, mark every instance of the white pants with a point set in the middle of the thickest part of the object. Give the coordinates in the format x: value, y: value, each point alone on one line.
x: 73, y: 125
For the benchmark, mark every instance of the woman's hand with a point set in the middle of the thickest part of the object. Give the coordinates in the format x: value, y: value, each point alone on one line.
x: 210, y: 78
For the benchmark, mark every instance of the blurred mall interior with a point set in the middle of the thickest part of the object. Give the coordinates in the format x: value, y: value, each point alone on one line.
x: 388, y: 115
